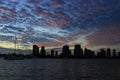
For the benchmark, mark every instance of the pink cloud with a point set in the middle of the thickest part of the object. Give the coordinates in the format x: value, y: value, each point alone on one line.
x: 37, y: 12
x: 63, y: 21
x: 4, y: 18
x: 104, y: 36
x: 56, y: 3
x: 47, y: 44
x: 11, y: 13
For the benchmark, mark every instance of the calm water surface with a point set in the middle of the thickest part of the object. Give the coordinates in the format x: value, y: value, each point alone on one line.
x: 60, y: 69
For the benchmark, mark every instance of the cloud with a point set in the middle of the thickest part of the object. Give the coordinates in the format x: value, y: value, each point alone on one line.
x: 105, y: 36
x: 56, y: 22
x: 4, y: 18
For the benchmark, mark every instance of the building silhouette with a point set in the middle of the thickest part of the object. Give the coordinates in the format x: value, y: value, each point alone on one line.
x: 52, y: 53
x: 118, y: 55
x: 88, y: 53
x: 114, y: 53
x: 56, y: 54
x: 101, y: 54
x: 43, y: 51
x: 66, y: 52
x: 108, y: 52
x: 35, y: 50
x: 78, y: 51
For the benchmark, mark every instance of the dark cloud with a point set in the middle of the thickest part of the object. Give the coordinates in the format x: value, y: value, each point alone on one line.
x: 68, y: 19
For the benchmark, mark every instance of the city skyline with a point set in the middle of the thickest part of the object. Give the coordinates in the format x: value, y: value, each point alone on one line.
x: 63, y: 52
x: 94, y: 24
x: 77, y: 52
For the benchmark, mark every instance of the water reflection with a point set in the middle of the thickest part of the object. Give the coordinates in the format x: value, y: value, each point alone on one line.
x: 60, y: 69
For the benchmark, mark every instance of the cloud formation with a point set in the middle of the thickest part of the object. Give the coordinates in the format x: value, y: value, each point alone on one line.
x: 105, y: 36
x: 58, y: 22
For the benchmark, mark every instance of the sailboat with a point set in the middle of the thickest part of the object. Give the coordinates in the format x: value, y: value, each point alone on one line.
x: 14, y: 56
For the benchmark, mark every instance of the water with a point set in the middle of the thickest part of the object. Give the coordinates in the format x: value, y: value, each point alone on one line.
x: 60, y: 69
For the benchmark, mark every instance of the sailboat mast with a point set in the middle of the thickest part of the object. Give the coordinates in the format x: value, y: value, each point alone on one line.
x: 15, y: 44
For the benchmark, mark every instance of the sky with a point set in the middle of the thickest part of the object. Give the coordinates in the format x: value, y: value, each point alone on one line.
x: 54, y: 23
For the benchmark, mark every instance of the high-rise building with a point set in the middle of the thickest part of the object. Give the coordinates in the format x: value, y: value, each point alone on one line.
x: 52, y: 52
x: 108, y: 52
x: 66, y: 51
x: 102, y: 53
x: 78, y: 51
x: 56, y: 53
x: 43, y: 51
x: 35, y: 50
x: 89, y: 53
x: 114, y: 53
